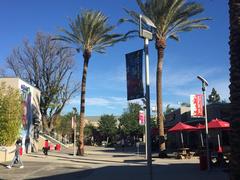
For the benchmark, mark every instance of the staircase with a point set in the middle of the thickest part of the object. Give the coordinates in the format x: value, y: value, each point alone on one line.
x: 52, y: 140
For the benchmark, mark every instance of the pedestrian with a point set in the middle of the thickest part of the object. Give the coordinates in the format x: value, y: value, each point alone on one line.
x: 92, y: 141
x: 46, y: 147
x: 27, y: 143
x: 18, y: 152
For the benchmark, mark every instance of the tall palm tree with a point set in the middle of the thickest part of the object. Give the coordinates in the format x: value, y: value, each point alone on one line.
x: 88, y: 32
x: 170, y: 17
x: 234, y: 42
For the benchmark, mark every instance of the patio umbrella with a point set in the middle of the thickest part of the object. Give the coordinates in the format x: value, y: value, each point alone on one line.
x: 218, y: 124
x: 180, y: 127
x: 201, y: 127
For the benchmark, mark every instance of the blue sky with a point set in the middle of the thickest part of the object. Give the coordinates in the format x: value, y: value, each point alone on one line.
x: 201, y: 52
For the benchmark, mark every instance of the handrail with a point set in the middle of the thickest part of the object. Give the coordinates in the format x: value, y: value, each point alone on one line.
x: 53, y: 139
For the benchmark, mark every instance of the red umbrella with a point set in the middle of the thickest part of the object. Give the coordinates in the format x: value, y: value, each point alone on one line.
x: 200, y: 126
x: 218, y: 123
x: 182, y: 127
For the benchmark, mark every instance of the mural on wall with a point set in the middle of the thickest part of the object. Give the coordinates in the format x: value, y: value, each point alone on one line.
x: 27, y: 108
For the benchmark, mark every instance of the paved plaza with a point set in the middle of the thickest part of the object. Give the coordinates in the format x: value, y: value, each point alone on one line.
x: 106, y: 163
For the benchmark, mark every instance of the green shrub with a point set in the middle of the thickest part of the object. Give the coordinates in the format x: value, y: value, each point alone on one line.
x: 10, y: 114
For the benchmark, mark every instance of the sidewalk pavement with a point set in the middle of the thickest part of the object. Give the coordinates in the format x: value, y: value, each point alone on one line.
x: 103, y: 163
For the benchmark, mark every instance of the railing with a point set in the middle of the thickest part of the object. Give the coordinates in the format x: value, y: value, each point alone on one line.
x: 53, y: 139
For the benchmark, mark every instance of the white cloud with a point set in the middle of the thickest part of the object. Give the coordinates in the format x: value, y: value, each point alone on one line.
x: 109, y: 102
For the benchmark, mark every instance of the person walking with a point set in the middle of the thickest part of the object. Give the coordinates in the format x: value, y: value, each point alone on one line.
x: 46, y: 147
x: 18, y: 152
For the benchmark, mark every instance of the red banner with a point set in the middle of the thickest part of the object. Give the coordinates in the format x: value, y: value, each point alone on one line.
x: 196, y: 102
x: 141, y: 118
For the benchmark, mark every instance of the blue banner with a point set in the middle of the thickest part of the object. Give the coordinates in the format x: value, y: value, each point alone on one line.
x: 134, y: 61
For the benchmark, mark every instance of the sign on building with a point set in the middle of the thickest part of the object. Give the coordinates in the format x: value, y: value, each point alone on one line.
x: 196, y: 102
x: 134, y: 61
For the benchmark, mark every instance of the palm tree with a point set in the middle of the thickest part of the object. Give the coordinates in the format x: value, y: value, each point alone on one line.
x: 234, y: 42
x: 88, y: 32
x: 170, y: 17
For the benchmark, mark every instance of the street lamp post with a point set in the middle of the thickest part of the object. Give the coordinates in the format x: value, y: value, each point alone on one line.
x: 147, y: 35
x: 74, y: 128
x: 204, y: 85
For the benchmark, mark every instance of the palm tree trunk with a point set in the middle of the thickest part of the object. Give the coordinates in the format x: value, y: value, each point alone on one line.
x: 86, y: 56
x: 234, y: 12
x: 160, y: 46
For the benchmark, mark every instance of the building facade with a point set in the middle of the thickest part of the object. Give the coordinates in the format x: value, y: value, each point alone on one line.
x: 31, y: 119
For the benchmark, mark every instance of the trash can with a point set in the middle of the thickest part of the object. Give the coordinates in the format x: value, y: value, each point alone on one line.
x: 203, y: 162
x: 51, y: 147
x: 58, y: 147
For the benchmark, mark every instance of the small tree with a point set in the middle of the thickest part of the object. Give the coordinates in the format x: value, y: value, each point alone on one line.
x: 63, y: 124
x: 129, y: 120
x: 89, y: 130
x: 213, y: 97
x: 108, y: 126
x: 10, y: 114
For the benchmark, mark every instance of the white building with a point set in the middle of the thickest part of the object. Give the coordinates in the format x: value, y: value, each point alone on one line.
x: 31, y: 119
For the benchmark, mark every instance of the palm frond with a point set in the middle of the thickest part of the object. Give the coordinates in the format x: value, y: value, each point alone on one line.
x: 170, y: 16
x: 174, y: 37
x: 90, y: 31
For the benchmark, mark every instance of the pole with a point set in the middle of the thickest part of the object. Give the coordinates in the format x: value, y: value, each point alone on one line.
x: 201, y: 137
x: 206, y: 124
x: 147, y: 96
x: 219, y: 142
x: 182, y: 139
x: 146, y: 142
x: 74, y: 136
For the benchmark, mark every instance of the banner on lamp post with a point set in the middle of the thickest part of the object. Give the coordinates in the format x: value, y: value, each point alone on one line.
x: 141, y: 117
x: 196, y: 102
x: 73, y: 123
x: 134, y: 61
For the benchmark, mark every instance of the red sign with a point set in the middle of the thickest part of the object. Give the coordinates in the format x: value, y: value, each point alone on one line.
x: 141, y: 118
x: 196, y: 102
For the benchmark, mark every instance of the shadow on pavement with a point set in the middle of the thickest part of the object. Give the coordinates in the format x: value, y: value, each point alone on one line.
x: 82, y: 159
x: 67, y: 176
x: 164, y: 172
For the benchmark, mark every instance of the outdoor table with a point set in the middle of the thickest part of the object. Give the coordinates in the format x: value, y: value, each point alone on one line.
x: 184, y: 153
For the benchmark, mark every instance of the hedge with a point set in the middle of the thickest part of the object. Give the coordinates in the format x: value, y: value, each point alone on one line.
x: 10, y: 114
